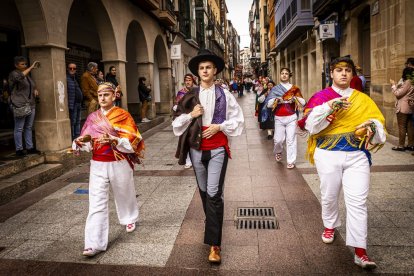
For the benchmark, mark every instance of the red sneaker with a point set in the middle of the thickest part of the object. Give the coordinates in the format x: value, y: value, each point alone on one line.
x: 328, y: 235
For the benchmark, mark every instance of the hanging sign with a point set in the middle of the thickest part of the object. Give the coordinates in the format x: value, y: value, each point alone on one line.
x: 176, y: 51
x: 327, y: 30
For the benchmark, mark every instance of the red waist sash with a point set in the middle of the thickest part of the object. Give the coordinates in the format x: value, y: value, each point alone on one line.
x: 104, y: 153
x: 285, y: 109
x: 217, y: 140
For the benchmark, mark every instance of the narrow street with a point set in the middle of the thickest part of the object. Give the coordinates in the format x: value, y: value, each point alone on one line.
x: 46, y: 238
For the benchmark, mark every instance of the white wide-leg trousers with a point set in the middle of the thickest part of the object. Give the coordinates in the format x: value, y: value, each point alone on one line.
x: 285, y: 128
x: 351, y: 171
x: 119, y: 175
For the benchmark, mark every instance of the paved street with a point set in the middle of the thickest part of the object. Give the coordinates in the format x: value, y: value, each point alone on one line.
x: 47, y: 237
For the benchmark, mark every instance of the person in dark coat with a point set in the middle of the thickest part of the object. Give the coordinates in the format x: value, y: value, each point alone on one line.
x: 144, y: 93
x: 75, y: 98
x: 111, y: 77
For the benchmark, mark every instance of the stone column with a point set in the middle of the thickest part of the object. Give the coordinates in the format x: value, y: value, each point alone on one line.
x: 165, y: 103
x: 52, y: 124
x: 121, y: 76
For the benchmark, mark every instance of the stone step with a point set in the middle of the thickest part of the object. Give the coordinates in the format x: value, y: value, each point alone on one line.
x: 12, y: 167
x: 19, y: 184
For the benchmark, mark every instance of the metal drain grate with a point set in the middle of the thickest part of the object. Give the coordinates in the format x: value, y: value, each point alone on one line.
x: 256, y: 218
x: 256, y: 212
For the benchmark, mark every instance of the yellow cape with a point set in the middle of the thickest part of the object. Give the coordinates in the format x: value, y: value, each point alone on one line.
x: 362, y: 109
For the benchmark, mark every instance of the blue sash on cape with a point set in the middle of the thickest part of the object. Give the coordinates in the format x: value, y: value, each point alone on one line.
x: 276, y: 92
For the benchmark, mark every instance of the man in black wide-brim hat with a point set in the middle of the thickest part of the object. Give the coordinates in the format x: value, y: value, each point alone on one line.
x: 204, y: 118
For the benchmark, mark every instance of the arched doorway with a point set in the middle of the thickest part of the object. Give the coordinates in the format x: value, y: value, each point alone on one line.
x: 82, y: 38
x: 162, y: 78
x: 137, y: 65
x: 11, y: 39
x: 364, y: 30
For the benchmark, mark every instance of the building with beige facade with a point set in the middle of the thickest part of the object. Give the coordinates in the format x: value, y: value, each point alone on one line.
x: 374, y: 33
x: 131, y: 35
x: 135, y: 36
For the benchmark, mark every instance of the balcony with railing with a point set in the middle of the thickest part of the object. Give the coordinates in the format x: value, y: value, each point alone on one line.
x: 166, y: 13
x: 294, y: 19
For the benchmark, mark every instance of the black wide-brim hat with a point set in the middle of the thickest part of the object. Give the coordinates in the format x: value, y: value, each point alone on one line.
x: 205, y: 55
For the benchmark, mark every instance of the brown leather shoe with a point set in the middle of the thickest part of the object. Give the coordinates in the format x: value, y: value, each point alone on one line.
x: 214, y: 256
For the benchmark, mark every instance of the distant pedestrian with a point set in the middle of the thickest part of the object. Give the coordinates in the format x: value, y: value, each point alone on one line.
x: 23, y: 103
x: 285, y: 99
x: 188, y: 86
x: 100, y: 77
x: 111, y: 77
x: 344, y: 124
x: 75, y: 99
x: 204, y: 118
x: 404, y: 108
x: 144, y: 93
x: 89, y: 87
x: 356, y: 82
x: 265, y: 115
x: 362, y: 77
x: 234, y: 85
x: 116, y: 145
x: 240, y: 88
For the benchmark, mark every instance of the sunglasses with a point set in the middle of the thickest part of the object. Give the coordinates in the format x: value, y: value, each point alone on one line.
x: 72, y: 68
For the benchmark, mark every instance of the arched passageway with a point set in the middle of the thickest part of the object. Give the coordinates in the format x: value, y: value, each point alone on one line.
x: 136, y: 64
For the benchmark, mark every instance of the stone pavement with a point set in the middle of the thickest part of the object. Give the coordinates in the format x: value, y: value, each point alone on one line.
x: 46, y: 238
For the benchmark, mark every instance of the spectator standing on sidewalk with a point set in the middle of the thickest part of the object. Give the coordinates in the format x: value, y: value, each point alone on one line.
x: 404, y: 107
x: 23, y: 93
x: 116, y: 145
x: 144, y: 93
x: 188, y: 85
x: 75, y: 98
x: 285, y: 100
x: 111, y: 77
x: 344, y: 124
x: 89, y: 87
x: 204, y: 118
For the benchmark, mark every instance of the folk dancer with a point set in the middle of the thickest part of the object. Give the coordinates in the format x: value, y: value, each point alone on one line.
x: 265, y: 115
x: 344, y: 124
x: 285, y: 99
x: 116, y: 145
x: 204, y: 118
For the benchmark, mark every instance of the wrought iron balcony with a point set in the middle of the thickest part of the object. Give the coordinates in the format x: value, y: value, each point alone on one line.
x: 294, y: 20
x: 166, y: 13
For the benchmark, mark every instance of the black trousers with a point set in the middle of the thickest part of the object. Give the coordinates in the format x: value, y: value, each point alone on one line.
x: 210, y: 168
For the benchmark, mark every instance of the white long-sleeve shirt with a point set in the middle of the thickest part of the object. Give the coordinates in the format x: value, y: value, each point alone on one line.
x: 316, y: 121
x: 233, y: 124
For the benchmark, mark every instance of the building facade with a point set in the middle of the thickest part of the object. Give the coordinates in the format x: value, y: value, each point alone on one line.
x: 130, y: 35
x: 376, y: 34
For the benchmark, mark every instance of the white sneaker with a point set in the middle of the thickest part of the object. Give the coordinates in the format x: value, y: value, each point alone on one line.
x: 187, y: 166
x: 364, y: 262
x: 328, y: 235
x: 130, y: 227
x: 145, y: 120
x: 90, y: 252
